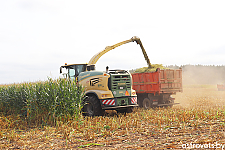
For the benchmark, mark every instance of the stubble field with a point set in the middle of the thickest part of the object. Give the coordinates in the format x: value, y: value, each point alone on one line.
x: 198, y: 121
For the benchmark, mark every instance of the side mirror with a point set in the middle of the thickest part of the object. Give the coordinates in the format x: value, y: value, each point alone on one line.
x: 60, y: 69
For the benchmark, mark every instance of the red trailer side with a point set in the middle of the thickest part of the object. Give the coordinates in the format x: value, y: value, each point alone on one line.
x: 220, y: 87
x: 148, y: 82
x: 156, y: 88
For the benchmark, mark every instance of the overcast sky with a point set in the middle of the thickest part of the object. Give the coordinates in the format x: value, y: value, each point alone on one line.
x: 38, y: 36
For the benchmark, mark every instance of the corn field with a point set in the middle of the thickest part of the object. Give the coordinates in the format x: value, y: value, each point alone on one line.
x: 42, y: 102
x: 199, y: 119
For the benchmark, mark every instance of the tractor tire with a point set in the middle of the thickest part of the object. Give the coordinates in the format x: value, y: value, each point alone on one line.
x: 92, y: 107
x: 147, y: 103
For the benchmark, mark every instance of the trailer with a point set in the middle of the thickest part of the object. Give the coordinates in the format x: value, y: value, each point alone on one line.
x: 155, y: 89
x: 220, y: 87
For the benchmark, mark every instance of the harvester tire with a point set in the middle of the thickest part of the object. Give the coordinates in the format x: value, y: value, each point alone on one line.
x: 147, y: 103
x: 92, y: 107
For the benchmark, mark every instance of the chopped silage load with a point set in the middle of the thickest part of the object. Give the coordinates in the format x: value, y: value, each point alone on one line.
x: 146, y: 69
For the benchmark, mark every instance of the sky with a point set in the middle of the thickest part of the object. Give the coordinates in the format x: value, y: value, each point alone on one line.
x: 38, y: 36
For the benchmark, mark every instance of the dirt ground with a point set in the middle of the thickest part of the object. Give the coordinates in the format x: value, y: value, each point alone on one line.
x: 198, y: 122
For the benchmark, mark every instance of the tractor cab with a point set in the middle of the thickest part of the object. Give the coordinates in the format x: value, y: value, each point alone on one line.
x: 73, y: 70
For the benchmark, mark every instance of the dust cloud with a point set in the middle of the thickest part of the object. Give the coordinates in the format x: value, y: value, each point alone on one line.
x: 200, y: 87
x: 199, y: 74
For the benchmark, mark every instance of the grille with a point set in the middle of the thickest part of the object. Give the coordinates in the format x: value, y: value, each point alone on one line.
x: 120, y: 82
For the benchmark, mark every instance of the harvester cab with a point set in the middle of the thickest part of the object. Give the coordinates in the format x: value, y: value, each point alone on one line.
x: 73, y: 70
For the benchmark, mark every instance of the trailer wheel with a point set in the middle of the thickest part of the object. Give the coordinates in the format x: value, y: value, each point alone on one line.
x: 147, y: 103
x: 92, y: 107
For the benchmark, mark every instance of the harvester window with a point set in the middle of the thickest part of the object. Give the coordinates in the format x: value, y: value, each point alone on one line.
x: 71, y: 73
x: 79, y: 69
x: 75, y: 70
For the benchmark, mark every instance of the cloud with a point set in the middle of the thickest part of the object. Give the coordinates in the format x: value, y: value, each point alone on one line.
x: 38, y: 36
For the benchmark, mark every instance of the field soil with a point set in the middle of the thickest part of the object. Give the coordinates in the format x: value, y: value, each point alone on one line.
x: 198, y: 122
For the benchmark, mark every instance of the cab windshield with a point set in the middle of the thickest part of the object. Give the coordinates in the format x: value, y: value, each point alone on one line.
x: 75, y: 70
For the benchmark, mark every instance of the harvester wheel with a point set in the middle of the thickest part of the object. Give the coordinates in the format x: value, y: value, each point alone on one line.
x: 147, y: 103
x: 92, y: 107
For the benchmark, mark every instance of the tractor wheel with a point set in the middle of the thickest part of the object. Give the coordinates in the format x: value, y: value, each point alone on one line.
x: 92, y: 107
x: 147, y: 103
